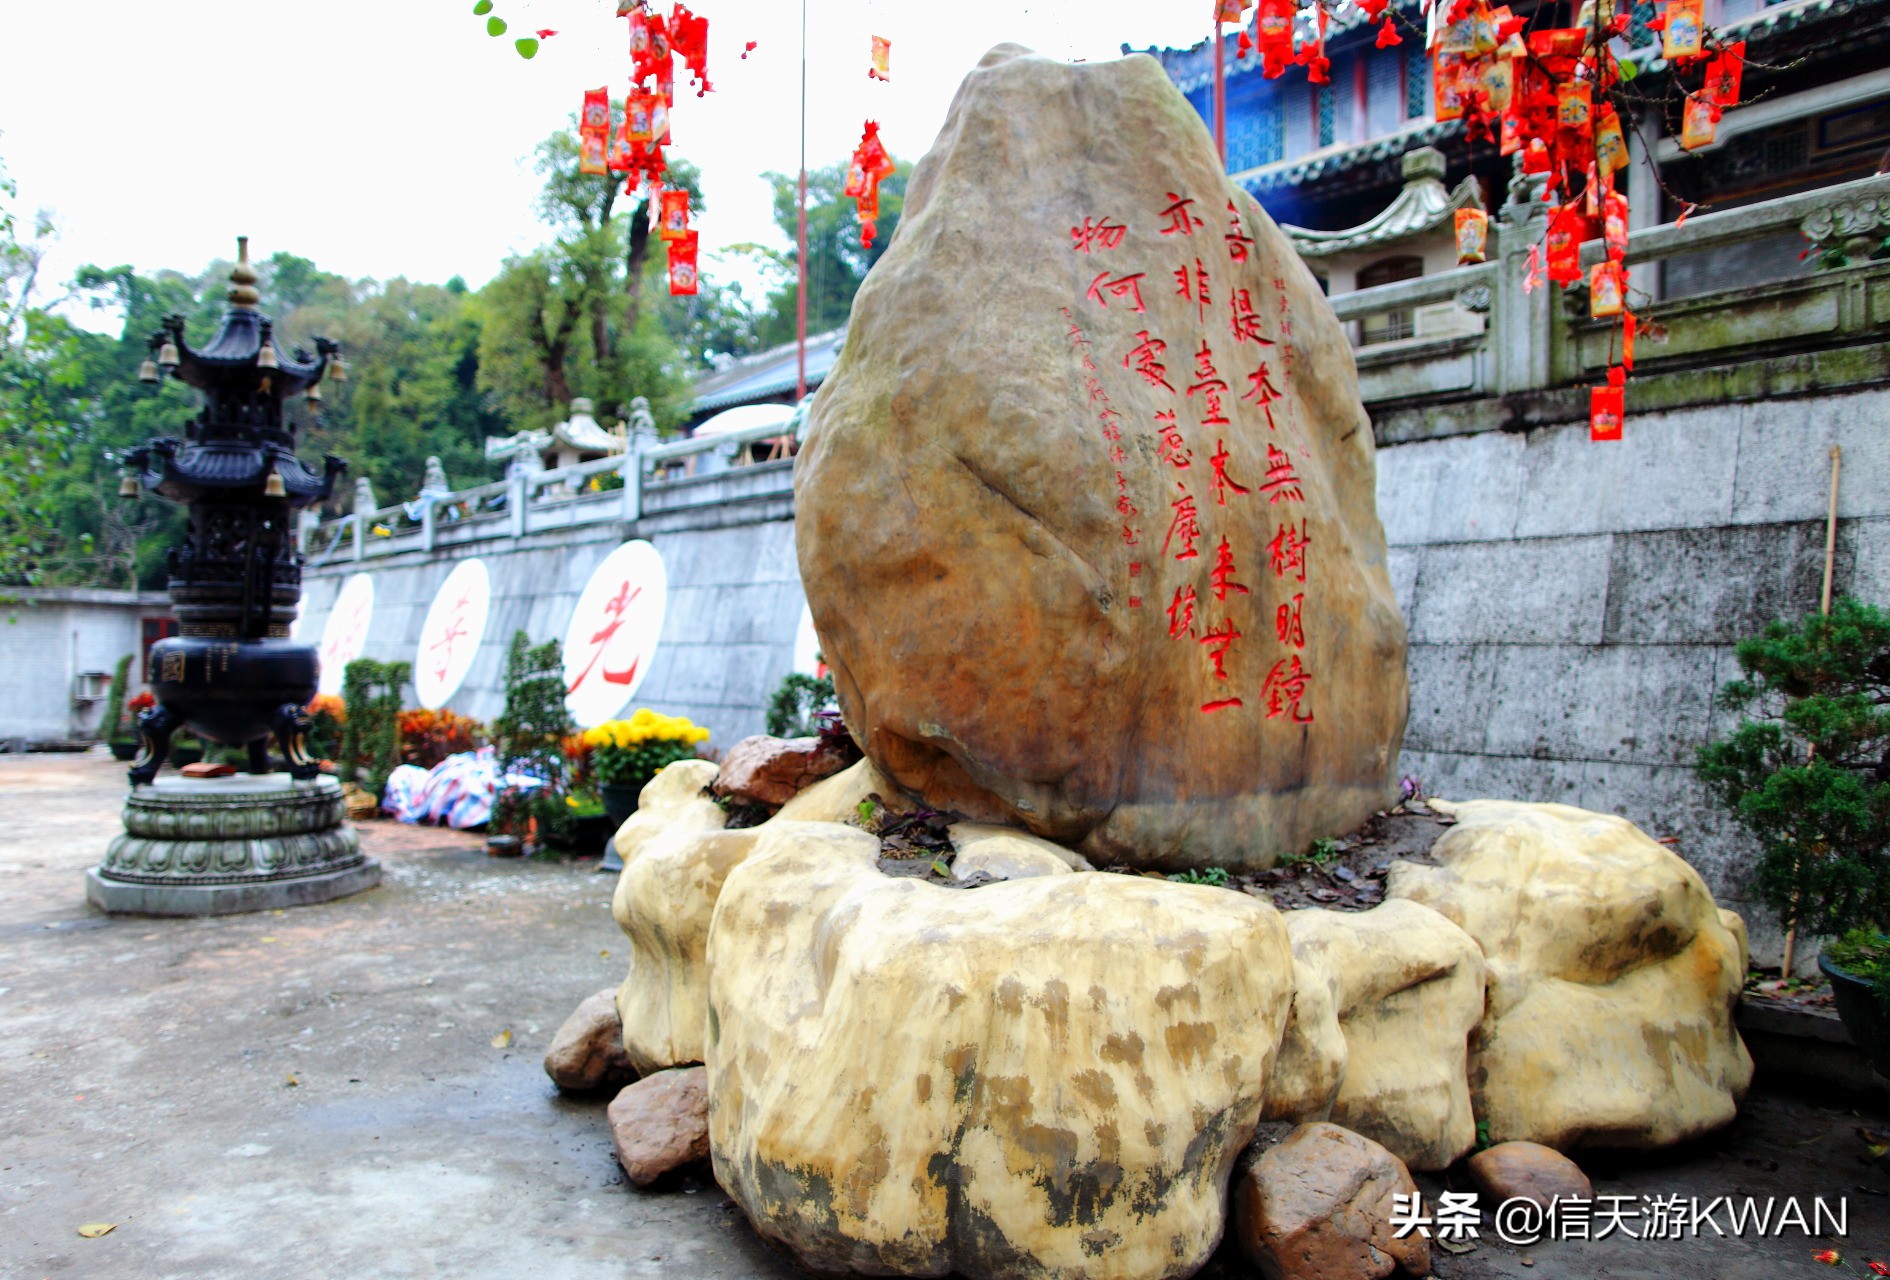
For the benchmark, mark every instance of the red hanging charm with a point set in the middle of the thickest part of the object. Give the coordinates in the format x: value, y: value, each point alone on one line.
x: 1723, y: 75
x: 682, y: 264
x: 1605, y: 411
x: 675, y: 223
x: 1565, y: 245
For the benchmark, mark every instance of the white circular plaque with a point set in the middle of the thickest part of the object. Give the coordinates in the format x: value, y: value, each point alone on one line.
x: 344, y: 635
x: 807, y: 647
x: 450, y: 637
x: 612, y: 638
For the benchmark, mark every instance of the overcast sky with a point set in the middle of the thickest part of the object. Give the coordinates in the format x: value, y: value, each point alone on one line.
x: 394, y: 137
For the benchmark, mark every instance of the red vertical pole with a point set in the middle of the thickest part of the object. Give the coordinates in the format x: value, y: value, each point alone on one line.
x: 800, y: 234
x: 1220, y: 90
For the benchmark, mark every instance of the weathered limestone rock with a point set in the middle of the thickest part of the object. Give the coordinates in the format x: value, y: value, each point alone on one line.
x: 675, y: 856
x: 1170, y: 642
x: 1004, y: 853
x: 587, y: 1053
x: 1612, y: 977
x: 1318, y: 1206
x: 1047, y: 1077
x: 1385, y: 1004
x: 765, y: 770
x: 1529, y: 1170
x: 661, y: 1123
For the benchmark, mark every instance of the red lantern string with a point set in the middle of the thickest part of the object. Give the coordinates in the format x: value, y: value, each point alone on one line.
x: 870, y: 163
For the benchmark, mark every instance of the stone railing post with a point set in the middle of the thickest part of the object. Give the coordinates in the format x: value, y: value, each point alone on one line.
x: 632, y: 472
x: 360, y: 534
x: 1519, y: 319
x: 516, y: 501
x: 428, y: 523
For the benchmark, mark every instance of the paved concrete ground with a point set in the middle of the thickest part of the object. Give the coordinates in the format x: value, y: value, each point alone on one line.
x: 145, y: 1068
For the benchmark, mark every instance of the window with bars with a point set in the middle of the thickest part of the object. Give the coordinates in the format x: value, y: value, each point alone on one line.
x: 1417, y: 81
x: 1298, y: 121
x: 1253, y: 133
x: 1390, y: 326
x: 1384, y: 92
x: 1326, y: 102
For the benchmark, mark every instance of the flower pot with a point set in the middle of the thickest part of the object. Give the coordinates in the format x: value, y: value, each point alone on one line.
x: 181, y: 756
x: 505, y: 846
x: 125, y: 750
x: 1863, y: 1016
x: 620, y: 801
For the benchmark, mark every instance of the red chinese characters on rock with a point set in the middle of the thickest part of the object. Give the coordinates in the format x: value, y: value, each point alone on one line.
x: 1181, y: 613
x: 1182, y: 219
x: 1239, y: 243
x: 1221, y: 482
x: 1263, y: 390
x: 1287, y: 551
x: 1285, y: 688
x: 1145, y: 359
x: 1129, y: 286
x: 1173, y: 448
x: 1221, y: 579
x: 1243, y: 320
x: 1097, y: 233
x: 1209, y: 386
x: 1193, y: 285
x: 1109, y: 419
x: 1282, y: 483
x: 1186, y: 526
x: 1289, y: 621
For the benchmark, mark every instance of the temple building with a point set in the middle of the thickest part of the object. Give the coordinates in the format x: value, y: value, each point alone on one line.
x: 1326, y: 160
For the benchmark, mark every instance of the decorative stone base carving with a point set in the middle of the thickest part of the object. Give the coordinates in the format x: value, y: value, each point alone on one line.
x: 213, y: 846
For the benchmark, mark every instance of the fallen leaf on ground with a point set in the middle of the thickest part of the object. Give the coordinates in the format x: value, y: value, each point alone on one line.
x: 291, y: 1083
x: 604, y: 954
x: 1455, y: 1246
x: 93, y: 1230
x: 503, y: 1040
x: 269, y: 939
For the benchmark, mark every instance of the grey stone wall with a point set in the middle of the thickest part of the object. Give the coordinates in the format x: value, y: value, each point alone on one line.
x: 1573, y: 606
x: 728, y: 636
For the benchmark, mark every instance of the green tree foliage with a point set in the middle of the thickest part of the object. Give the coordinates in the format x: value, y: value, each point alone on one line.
x: 370, y: 735
x: 837, y: 263
x: 572, y: 317
x: 1809, y: 777
x: 433, y: 369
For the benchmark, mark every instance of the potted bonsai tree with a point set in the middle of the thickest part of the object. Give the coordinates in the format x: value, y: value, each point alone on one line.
x: 1807, y: 772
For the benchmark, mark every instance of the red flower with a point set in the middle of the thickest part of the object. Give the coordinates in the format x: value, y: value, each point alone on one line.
x: 1388, y: 35
x: 1879, y: 1268
x: 1829, y: 1257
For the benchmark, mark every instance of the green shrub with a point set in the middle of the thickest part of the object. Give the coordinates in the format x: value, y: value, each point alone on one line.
x: 112, y: 726
x: 794, y: 711
x: 370, y: 735
x: 1809, y: 777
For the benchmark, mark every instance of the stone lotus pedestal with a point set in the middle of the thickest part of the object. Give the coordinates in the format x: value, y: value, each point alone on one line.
x: 213, y: 846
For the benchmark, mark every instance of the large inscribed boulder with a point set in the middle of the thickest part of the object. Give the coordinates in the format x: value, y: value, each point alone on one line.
x: 1086, y: 511
x: 1611, y: 977
x: 1046, y: 1077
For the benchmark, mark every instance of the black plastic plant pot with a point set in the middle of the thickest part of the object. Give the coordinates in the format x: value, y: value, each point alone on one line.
x: 1862, y: 1014
x: 125, y: 750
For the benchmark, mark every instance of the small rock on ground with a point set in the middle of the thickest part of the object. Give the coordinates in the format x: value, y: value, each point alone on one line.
x: 1318, y: 1206
x: 661, y: 1123
x: 772, y: 771
x: 1529, y: 1170
x: 587, y: 1053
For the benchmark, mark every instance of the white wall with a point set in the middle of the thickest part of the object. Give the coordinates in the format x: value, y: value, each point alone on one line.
x: 48, y: 638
